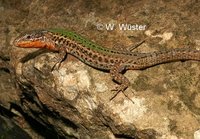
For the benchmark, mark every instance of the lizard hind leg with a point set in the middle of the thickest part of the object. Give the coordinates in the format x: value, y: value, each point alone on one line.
x: 131, y: 48
x: 117, y: 76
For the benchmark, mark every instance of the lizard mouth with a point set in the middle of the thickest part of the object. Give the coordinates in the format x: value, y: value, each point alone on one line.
x: 29, y: 44
x: 34, y: 44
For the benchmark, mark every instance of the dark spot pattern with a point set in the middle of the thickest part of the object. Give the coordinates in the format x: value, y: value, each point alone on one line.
x: 90, y: 54
x: 94, y: 56
x: 105, y: 60
x: 111, y: 61
x: 100, y: 59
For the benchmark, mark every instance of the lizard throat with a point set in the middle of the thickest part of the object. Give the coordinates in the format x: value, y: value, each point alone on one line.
x: 35, y: 44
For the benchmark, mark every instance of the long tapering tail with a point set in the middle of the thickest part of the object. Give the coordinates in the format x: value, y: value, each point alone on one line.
x: 155, y: 58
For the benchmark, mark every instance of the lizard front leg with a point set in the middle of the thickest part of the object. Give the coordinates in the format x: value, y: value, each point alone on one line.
x: 117, y: 76
x: 62, y: 55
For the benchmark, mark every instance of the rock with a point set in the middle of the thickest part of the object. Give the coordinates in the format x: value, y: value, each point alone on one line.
x: 73, y: 101
x: 9, y: 130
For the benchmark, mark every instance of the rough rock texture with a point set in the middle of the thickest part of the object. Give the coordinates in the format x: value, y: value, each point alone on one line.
x: 73, y: 101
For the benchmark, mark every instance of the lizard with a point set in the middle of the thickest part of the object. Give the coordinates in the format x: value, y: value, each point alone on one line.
x: 115, y: 61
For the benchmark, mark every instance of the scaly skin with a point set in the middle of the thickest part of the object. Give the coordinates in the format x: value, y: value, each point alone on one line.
x: 100, y: 57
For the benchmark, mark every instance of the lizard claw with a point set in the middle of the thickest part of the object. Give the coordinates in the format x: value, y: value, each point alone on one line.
x: 61, y: 57
x: 56, y: 66
x: 118, y: 89
x: 114, y: 95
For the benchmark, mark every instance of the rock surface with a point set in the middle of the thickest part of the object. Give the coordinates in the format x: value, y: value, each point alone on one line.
x: 73, y: 101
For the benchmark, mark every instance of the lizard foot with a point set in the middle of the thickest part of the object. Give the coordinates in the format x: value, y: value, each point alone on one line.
x: 61, y: 57
x: 118, y: 89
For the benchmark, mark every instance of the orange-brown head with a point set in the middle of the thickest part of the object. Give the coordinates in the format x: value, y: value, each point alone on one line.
x: 36, y: 39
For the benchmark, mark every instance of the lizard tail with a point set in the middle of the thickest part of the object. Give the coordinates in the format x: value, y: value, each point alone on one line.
x: 155, y: 58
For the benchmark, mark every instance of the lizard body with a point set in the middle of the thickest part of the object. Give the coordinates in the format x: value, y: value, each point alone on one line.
x: 112, y: 60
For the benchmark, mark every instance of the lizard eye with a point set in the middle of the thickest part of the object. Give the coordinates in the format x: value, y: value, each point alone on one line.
x: 28, y: 36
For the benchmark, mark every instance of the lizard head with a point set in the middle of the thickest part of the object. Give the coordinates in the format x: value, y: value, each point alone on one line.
x: 35, y: 39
